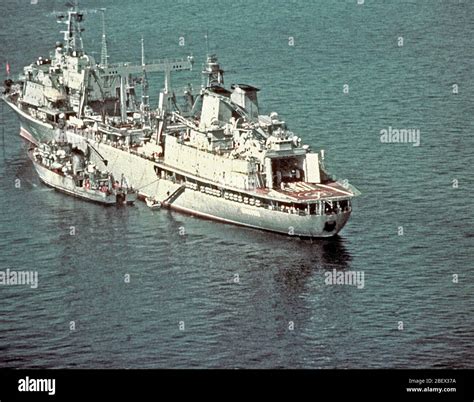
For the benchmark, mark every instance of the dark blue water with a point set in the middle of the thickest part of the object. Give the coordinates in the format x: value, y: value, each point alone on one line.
x: 190, y: 278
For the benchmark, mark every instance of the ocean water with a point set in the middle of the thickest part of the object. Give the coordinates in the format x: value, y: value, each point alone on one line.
x: 424, y: 191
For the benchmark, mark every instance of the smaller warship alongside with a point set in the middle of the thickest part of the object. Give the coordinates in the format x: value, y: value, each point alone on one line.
x: 66, y: 169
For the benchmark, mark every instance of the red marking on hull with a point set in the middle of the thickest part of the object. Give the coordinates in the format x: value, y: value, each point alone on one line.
x: 309, y: 191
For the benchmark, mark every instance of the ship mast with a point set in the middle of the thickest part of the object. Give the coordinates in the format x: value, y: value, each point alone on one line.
x: 212, y: 69
x: 145, y: 99
x: 103, y: 53
x: 72, y: 35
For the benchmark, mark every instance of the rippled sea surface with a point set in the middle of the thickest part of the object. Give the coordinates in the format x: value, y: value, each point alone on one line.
x: 190, y: 278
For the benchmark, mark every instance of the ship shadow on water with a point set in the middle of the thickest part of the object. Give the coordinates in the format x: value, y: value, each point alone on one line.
x: 293, y: 258
x: 309, y: 259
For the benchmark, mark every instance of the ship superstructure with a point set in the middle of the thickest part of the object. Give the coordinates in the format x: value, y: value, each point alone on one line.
x: 210, y: 153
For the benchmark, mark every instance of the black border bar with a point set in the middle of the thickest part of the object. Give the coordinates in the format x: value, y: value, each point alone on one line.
x: 241, y: 385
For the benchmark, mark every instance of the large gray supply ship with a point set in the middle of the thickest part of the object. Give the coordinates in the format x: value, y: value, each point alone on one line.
x: 209, y: 153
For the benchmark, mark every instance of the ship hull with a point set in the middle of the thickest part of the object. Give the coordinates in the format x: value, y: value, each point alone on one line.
x: 32, y: 129
x: 272, y: 221
x: 140, y: 173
